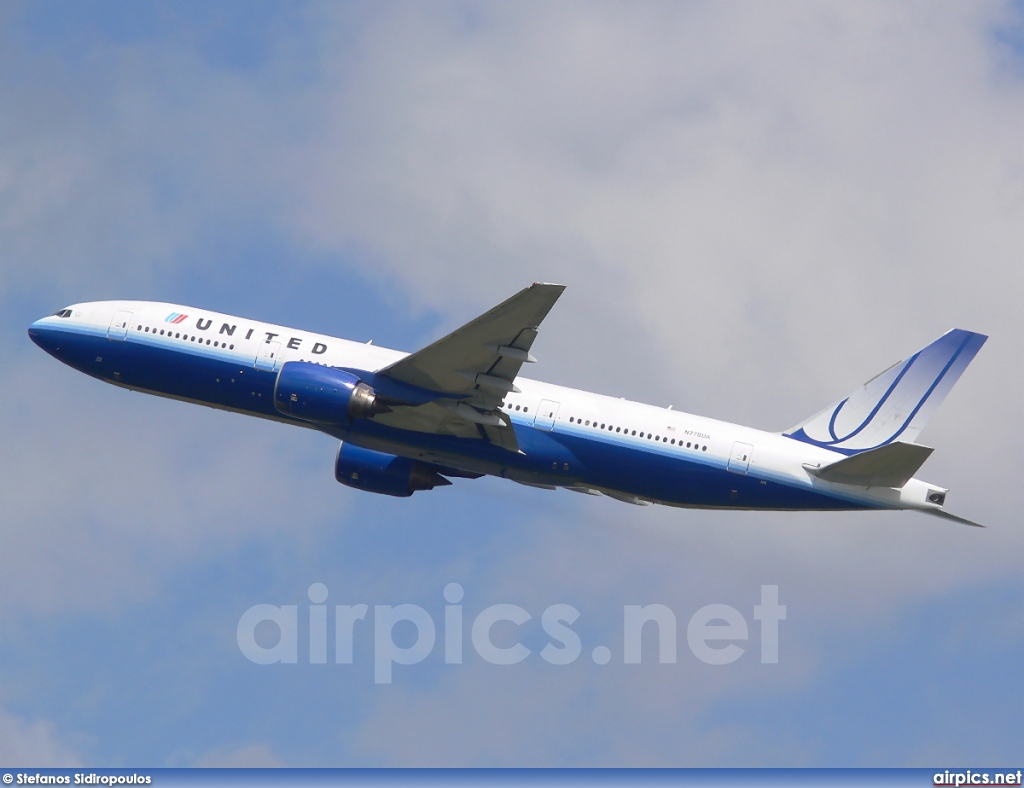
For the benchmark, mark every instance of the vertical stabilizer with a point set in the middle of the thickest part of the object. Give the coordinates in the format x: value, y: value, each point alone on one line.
x: 896, y: 404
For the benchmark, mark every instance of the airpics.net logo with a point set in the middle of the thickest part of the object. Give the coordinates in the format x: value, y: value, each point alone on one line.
x: 716, y: 634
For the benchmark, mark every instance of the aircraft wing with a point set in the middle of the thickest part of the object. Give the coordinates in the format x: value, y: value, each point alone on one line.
x: 476, y: 366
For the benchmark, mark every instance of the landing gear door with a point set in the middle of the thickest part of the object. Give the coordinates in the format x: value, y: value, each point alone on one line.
x: 546, y: 413
x: 739, y: 460
x: 269, y: 356
x: 119, y: 325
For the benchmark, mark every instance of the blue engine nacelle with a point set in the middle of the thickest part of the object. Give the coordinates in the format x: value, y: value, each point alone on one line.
x: 375, y: 471
x: 324, y: 395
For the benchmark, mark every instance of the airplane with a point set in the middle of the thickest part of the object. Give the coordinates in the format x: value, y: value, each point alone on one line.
x: 459, y: 409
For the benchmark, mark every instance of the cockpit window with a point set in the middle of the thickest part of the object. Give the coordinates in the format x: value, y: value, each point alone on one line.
x: 64, y: 313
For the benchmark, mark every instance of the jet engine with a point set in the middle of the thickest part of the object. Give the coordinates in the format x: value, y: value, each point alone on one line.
x: 324, y: 395
x: 375, y: 471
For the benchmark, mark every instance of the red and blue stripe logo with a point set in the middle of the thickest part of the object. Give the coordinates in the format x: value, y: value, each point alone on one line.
x: 175, y: 317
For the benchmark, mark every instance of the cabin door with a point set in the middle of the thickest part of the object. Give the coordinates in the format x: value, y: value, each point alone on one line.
x: 545, y: 418
x: 739, y: 460
x: 119, y: 325
x: 268, y: 357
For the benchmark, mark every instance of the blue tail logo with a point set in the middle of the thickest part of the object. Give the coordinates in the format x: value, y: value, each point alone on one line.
x: 896, y: 404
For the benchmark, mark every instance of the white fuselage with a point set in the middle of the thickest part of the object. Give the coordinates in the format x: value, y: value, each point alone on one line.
x: 599, y: 430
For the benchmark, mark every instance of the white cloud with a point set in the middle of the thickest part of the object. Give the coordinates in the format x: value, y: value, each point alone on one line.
x: 34, y: 743
x: 756, y: 208
x: 771, y: 194
x: 124, y: 160
x: 774, y: 204
x: 98, y: 510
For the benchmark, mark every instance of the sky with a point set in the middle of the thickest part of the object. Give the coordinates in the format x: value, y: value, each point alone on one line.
x: 755, y: 207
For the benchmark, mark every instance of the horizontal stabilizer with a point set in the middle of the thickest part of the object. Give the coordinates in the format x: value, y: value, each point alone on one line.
x: 892, y: 465
x: 953, y: 517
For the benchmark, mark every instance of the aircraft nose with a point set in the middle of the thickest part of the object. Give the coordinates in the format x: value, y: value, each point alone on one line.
x: 43, y: 336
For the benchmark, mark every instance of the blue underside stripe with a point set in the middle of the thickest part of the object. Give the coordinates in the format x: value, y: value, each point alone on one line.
x: 633, y: 466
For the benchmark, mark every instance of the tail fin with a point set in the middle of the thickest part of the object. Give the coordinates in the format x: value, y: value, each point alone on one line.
x: 895, y: 404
